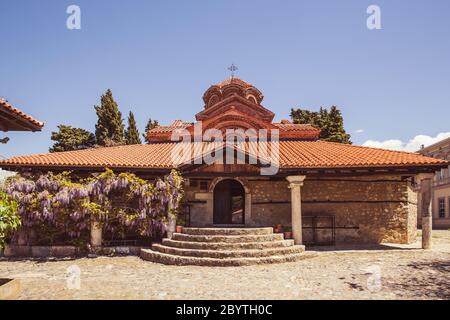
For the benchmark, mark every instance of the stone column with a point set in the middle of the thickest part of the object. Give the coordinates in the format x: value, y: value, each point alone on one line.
x: 248, y: 209
x: 295, y: 184
x: 96, y: 234
x: 171, y: 223
x: 427, y: 215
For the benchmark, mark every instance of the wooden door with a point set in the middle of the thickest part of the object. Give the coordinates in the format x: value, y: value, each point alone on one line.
x: 229, y: 203
x: 222, y: 203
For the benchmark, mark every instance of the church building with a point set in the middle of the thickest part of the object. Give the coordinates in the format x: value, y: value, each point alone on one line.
x: 324, y: 192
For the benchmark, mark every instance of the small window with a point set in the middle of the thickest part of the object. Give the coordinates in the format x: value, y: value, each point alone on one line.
x: 193, y: 183
x: 213, y: 100
x: 252, y: 98
x: 441, y: 207
x: 204, y: 185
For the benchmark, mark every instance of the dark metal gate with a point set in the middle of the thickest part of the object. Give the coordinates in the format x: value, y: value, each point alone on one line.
x: 319, y: 230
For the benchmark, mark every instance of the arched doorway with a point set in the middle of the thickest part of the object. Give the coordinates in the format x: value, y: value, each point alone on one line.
x: 229, y: 203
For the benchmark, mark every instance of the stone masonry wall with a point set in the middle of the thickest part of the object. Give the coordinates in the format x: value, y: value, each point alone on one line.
x: 367, y: 209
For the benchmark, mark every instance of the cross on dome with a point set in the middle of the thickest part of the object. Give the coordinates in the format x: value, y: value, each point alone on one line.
x: 233, y: 69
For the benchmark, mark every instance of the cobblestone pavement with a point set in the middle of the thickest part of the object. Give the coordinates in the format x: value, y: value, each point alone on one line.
x: 384, y: 272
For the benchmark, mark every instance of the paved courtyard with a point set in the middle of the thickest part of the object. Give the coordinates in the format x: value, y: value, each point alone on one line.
x: 383, y: 272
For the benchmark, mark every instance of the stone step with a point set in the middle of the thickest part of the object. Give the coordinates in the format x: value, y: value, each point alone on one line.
x: 227, y: 231
x: 228, y: 253
x: 159, y: 257
x: 227, y: 245
x: 228, y: 239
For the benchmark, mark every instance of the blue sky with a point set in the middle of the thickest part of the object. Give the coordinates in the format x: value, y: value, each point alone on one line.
x: 158, y: 57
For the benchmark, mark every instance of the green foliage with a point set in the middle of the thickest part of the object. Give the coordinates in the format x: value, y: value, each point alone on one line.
x: 336, y: 127
x: 150, y: 125
x: 9, y: 219
x: 68, y: 138
x: 330, y: 123
x: 109, y: 129
x: 132, y: 133
x: 59, y: 209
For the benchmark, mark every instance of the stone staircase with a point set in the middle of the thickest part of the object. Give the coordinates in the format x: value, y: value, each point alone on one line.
x: 224, y: 247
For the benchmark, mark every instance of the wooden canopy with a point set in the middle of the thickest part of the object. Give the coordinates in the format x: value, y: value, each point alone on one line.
x: 13, y: 119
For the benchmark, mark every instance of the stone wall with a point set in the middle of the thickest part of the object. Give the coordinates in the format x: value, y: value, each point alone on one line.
x: 367, y: 209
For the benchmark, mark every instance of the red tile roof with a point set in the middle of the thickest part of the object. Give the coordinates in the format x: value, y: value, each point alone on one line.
x: 293, y: 154
x: 177, y: 124
x: 20, y: 115
x: 287, y: 131
x: 151, y: 155
x: 293, y: 126
x: 234, y: 80
x: 322, y: 154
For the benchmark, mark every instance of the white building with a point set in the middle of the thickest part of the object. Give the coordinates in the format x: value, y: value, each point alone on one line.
x: 441, y: 185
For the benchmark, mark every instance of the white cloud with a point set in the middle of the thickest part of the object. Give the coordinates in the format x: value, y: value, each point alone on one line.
x: 359, y: 131
x: 412, y: 145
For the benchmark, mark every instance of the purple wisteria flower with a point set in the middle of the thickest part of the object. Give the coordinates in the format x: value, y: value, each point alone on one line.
x: 63, y: 197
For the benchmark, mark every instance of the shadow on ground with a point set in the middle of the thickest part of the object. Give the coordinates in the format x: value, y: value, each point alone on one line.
x: 360, y: 247
x: 431, y: 277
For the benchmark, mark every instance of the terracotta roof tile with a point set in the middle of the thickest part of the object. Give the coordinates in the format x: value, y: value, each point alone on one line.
x: 177, y: 124
x: 234, y: 80
x: 149, y: 156
x: 293, y: 154
x: 293, y: 126
x: 321, y: 154
x: 20, y: 114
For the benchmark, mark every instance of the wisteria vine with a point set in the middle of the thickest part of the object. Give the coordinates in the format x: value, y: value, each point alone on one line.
x: 54, y: 207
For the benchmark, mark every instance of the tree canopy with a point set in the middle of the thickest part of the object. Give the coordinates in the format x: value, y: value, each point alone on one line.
x: 132, y: 132
x: 330, y: 123
x: 68, y: 138
x: 109, y: 129
x: 150, y: 125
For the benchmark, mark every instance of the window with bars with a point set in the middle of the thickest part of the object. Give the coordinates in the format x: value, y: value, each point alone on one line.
x: 441, y: 207
x: 204, y: 185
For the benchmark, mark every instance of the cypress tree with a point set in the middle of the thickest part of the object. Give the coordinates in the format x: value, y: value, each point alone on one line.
x: 150, y: 125
x: 132, y: 133
x: 323, y: 123
x: 336, y: 131
x: 109, y: 129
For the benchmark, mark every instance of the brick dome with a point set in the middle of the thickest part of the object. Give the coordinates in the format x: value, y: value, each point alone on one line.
x: 232, y: 86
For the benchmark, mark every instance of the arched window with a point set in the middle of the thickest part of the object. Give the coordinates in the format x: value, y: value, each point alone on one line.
x: 213, y: 100
x: 252, y: 98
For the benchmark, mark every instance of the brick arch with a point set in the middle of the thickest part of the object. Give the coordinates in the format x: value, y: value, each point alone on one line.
x: 215, y: 98
x: 210, y: 93
x: 252, y: 98
x: 242, y: 181
x: 248, y: 198
x: 235, y: 121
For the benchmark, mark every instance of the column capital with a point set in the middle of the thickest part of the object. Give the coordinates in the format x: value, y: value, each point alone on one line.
x: 295, y: 181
